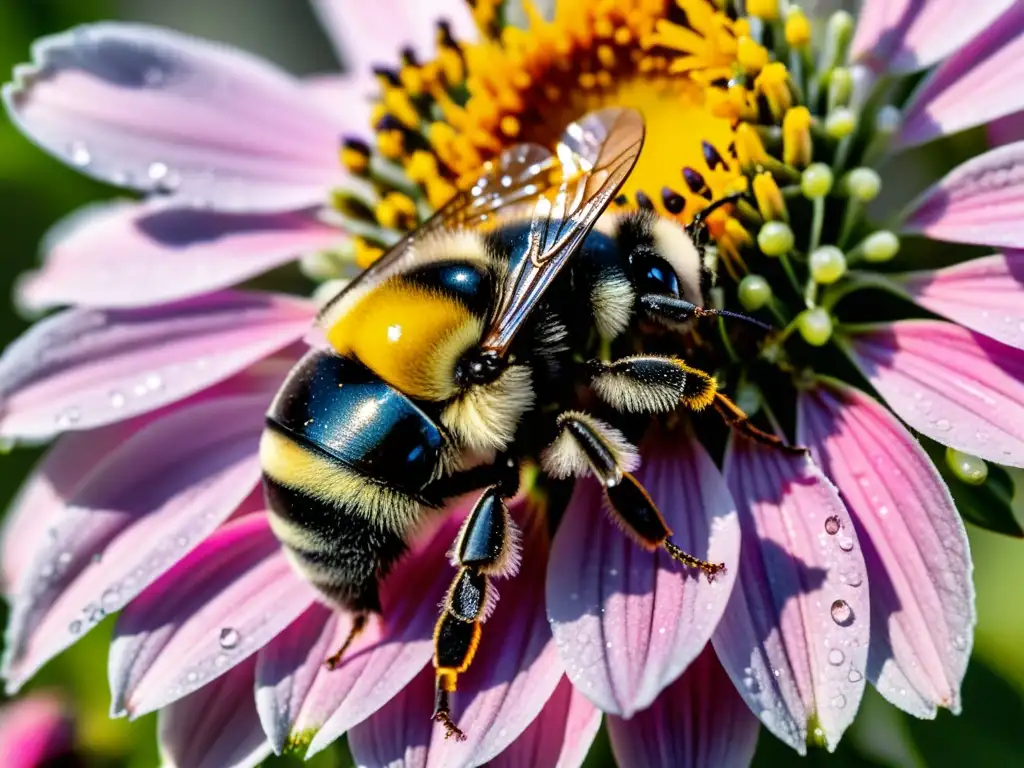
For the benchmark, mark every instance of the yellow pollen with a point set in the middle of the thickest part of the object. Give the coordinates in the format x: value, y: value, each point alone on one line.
x: 769, y: 198
x: 366, y: 254
x: 798, y: 29
x: 796, y: 137
x: 763, y: 9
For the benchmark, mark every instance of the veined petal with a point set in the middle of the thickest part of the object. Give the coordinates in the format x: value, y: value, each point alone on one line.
x: 700, y: 720
x: 907, y: 35
x: 915, y: 547
x: 365, y: 34
x: 628, y: 622
x: 979, y: 83
x: 215, y: 727
x: 154, y: 497
x: 152, y: 109
x: 397, y: 734
x: 131, y: 255
x: 219, y: 605
x: 980, y: 201
x: 35, y: 732
x: 794, y: 638
x: 955, y: 386
x: 982, y: 294
x: 84, y: 368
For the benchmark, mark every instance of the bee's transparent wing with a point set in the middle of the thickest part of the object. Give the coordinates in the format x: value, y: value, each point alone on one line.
x: 597, y: 154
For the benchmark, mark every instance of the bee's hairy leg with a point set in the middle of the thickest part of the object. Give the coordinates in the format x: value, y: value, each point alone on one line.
x: 738, y: 421
x: 359, y: 621
x: 487, y: 546
x: 601, y: 447
x: 651, y: 384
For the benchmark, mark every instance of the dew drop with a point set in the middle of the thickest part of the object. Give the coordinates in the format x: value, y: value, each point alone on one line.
x: 229, y: 638
x: 854, y: 579
x: 835, y: 657
x: 75, y: 627
x: 943, y: 425
x: 846, y: 544
x: 854, y: 676
x: 842, y: 613
x: 117, y: 399
x: 832, y: 525
x: 79, y: 154
x: 838, y: 702
x: 157, y: 171
x: 959, y: 642
x: 110, y: 599
x: 64, y: 558
x: 191, y: 677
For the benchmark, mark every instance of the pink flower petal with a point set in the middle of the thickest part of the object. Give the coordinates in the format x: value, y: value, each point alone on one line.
x: 215, y: 727
x: 915, y: 547
x: 398, y: 734
x: 219, y: 605
x: 907, y: 35
x: 514, y: 672
x: 697, y: 721
x: 559, y: 737
x: 35, y: 732
x: 82, y: 368
x: 141, y: 509
x: 151, y: 109
x: 627, y: 621
x: 366, y: 34
x: 979, y: 83
x: 955, y: 386
x: 982, y: 294
x: 981, y: 201
x: 349, y: 98
x: 794, y: 638
x: 130, y: 255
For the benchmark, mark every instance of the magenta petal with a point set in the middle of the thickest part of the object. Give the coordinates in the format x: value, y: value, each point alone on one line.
x: 130, y: 255
x: 215, y: 727
x: 223, y: 602
x: 35, y: 732
x: 978, y: 84
x: 982, y: 294
x: 153, y: 109
x: 979, y: 202
x: 794, y: 638
x: 915, y: 547
x: 627, y: 621
x: 1006, y: 130
x: 150, y: 501
x: 85, y: 368
x: 955, y: 386
x: 697, y: 721
x: 397, y: 734
x: 906, y: 35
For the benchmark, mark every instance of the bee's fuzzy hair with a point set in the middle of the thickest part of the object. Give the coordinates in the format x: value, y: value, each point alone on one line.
x: 565, y: 458
x: 486, y: 416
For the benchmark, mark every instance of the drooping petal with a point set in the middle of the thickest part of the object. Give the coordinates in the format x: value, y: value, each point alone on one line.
x: 365, y: 34
x: 514, y: 671
x: 978, y: 84
x: 981, y: 201
x: 907, y: 35
x: 215, y: 727
x: 154, y: 497
x: 794, y: 637
x: 915, y: 547
x: 35, y: 732
x: 131, y: 255
x: 627, y: 621
x: 982, y: 294
x: 953, y: 385
x: 218, y: 606
x: 699, y: 720
x: 152, y: 109
x: 84, y: 368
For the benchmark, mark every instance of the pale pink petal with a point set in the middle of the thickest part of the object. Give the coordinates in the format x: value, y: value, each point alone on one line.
x: 215, y: 727
x: 915, y: 547
x: 981, y: 201
x: 794, y: 638
x: 397, y: 735
x: 224, y: 601
x: 84, y: 368
x: 368, y: 34
x: 697, y: 721
x: 349, y: 97
x: 131, y: 255
x: 906, y: 35
x: 982, y: 294
x: 979, y: 83
x: 149, y: 501
x: 559, y: 737
x: 628, y: 621
x: 955, y: 386
x: 153, y: 109
x: 35, y: 732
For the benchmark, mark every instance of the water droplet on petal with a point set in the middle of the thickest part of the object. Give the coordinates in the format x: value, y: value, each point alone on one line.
x: 229, y: 638
x: 117, y: 398
x: 854, y: 579
x: 842, y: 613
x: 832, y: 525
x: 79, y: 154
x: 75, y: 627
x: 854, y: 676
x: 959, y: 642
x: 839, y: 701
x: 943, y: 425
x: 157, y: 171
x: 835, y: 657
x: 846, y: 544
x: 110, y: 599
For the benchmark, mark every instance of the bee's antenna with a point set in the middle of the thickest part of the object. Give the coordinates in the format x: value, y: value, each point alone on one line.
x: 700, y: 218
x: 702, y: 312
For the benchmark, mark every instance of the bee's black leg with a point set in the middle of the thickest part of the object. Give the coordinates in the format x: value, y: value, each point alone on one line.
x: 739, y: 422
x: 601, y: 448
x: 359, y: 621
x: 487, y: 546
x: 673, y: 310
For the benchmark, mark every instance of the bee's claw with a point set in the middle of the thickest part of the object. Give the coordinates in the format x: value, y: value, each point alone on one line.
x: 450, y: 728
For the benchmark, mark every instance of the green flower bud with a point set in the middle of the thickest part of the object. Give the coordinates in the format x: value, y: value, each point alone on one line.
x: 828, y: 264
x: 880, y: 246
x: 863, y: 184
x: 840, y: 123
x: 754, y: 292
x: 969, y: 469
x: 816, y: 181
x: 815, y: 325
x: 775, y: 238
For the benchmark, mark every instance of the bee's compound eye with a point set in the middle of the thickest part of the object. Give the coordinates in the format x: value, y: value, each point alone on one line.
x: 479, y: 366
x: 655, y: 275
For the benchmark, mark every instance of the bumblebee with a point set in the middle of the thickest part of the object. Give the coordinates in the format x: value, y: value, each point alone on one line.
x: 462, y: 354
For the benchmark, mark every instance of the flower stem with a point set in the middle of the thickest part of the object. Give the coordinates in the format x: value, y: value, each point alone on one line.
x: 817, y: 223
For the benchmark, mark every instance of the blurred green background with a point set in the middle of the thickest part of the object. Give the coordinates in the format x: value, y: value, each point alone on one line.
x: 36, y: 191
